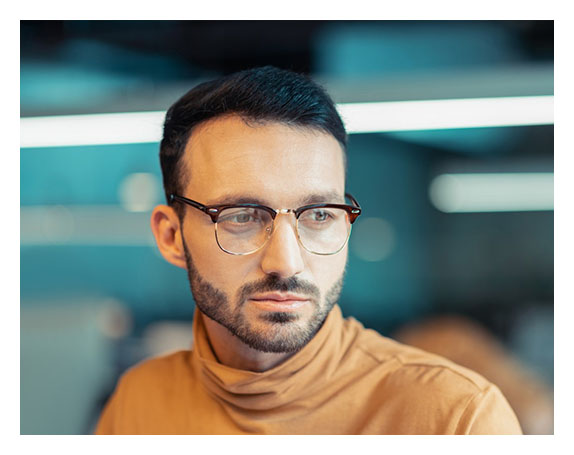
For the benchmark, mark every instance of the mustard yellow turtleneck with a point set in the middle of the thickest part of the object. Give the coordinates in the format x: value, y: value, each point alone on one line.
x: 346, y: 380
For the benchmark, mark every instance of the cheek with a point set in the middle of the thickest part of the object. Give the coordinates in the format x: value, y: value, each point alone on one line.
x: 224, y: 271
x: 327, y: 270
x: 202, y: 246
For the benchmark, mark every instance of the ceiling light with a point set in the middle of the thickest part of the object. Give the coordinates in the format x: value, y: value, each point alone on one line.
x: 381, y: 117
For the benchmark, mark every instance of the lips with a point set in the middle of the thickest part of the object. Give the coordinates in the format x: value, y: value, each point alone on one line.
x: 279, y: 297
x: 279, y: 301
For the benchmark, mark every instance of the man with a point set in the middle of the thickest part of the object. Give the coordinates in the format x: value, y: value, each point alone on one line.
x: 254, y: 175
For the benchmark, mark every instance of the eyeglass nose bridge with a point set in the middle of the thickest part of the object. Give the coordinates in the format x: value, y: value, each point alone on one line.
x: 271, y: 228
x: 284, y: 211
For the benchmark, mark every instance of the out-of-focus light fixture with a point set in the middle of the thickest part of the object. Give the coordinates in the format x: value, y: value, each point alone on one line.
x: 496, y: 192
x: 374, y: 239
x: 141, y: 127
x: 139, y: 192
x: 447, y: 114
x: 91, y: 129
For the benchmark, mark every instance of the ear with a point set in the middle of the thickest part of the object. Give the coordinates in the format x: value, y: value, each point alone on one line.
x: 167, y: 232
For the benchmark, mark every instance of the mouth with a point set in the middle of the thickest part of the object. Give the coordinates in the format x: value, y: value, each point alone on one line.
x: 279, y: 302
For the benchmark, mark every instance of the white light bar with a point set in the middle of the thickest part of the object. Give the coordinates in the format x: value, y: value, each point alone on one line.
x: 91, y: 129
x: 512, y: 192
x: 447, y: 114
x: 140, y: 127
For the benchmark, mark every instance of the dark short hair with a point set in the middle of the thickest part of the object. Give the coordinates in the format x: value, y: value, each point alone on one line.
x: 259, y: 95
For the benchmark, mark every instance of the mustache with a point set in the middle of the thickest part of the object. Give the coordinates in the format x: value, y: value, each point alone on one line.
x: 273, y: 283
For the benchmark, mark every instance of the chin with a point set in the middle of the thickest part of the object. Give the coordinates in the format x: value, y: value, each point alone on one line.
x: 280, y: 317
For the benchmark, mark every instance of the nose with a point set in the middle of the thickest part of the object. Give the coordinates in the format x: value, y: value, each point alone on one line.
x: 282, y: 254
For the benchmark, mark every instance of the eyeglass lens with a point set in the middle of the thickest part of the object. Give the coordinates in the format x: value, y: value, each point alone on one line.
x: 242, y: 230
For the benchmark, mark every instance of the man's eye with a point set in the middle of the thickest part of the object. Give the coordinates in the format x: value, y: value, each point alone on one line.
x: 320, y: 215
x: 317, y: 216
x: 238, y: 219
x: 242, y: 218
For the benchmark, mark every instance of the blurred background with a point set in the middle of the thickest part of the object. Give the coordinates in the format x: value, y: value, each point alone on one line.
x: 453, y: 252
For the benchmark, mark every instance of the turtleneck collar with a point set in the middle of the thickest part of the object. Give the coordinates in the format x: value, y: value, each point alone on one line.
x: 296, y: 378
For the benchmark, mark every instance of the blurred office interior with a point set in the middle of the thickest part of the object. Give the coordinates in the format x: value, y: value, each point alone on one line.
x: 472, y: 283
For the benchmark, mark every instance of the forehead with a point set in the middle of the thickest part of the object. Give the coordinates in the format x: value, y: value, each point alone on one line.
x: 271, y: 161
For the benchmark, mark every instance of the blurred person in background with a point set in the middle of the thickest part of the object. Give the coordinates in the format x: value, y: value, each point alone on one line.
x: 254, y: 175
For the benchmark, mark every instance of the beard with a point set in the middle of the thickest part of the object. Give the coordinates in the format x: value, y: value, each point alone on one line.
x: 277, y: 331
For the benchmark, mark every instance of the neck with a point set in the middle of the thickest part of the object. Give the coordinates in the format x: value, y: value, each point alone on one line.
x: 232, y: 352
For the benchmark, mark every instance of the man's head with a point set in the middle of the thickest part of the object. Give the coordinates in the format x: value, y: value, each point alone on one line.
x: 258, y: 95
x: 265, y: 136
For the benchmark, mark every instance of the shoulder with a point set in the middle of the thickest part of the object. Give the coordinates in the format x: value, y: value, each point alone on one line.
x: 145, y: 391
x: 159, y: 366
x: 406, y: 362
x: 160, y: 373
x: 427, y: 388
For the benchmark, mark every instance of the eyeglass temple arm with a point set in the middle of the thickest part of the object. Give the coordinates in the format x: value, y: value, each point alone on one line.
x: 353, y: 200
x: 175, y: 197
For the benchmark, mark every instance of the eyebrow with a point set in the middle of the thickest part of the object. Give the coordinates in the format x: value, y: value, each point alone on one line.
x: 328, y: 197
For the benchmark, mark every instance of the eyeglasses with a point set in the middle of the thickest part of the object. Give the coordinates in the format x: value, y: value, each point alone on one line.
x: 242, y: 229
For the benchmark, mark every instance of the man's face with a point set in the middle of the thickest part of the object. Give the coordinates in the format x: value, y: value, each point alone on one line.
x: 275, y: 299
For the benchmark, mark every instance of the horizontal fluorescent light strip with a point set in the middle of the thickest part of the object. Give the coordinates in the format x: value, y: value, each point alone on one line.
x: 447, y: 114
x: 91, y: 129
x: 500, y: 192
x: 142, y: 127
